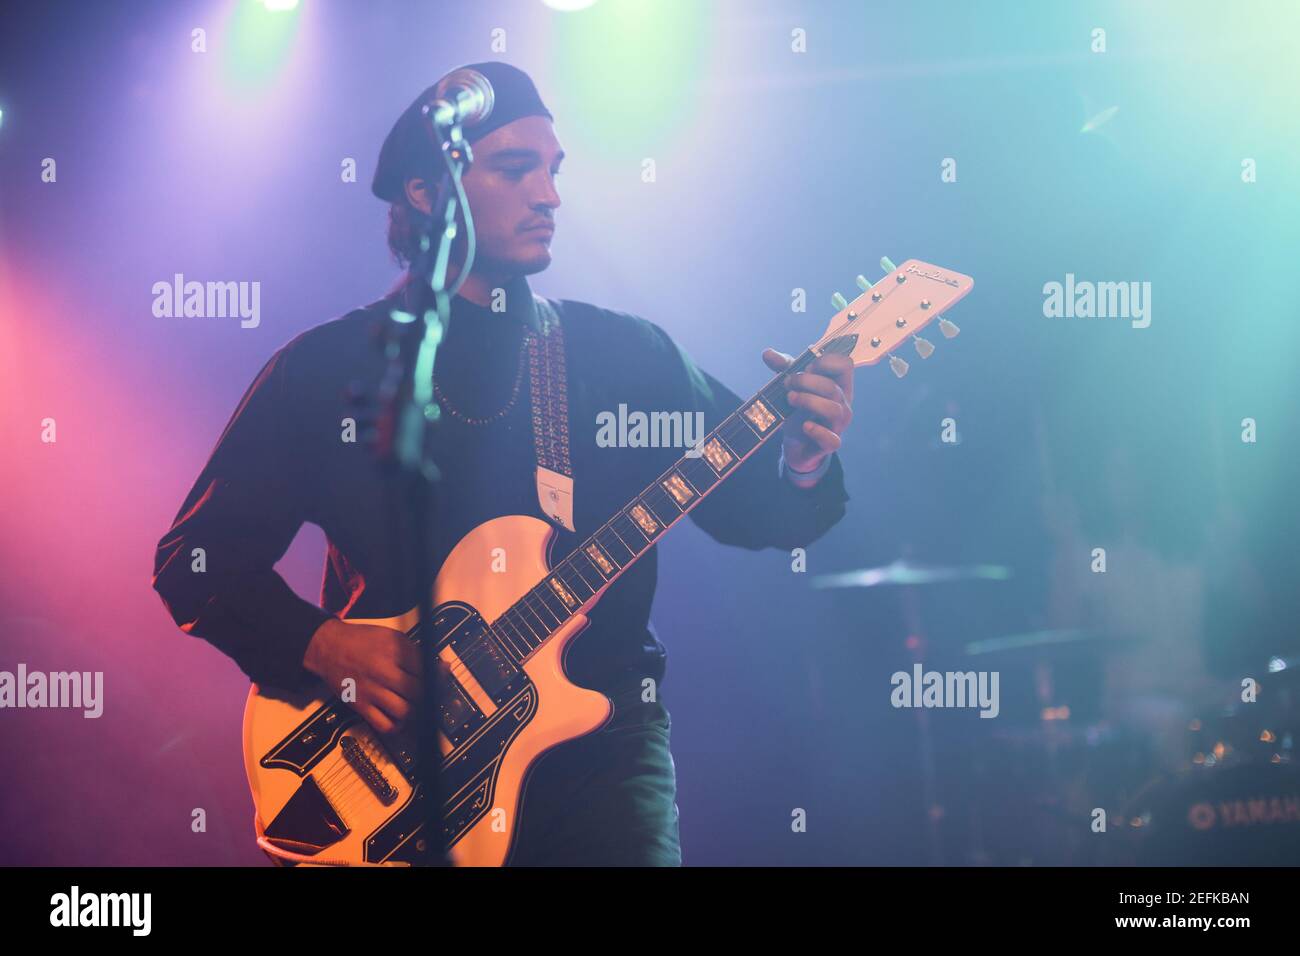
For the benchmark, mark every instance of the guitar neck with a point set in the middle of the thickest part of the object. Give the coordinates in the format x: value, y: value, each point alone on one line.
x: 575, y: 582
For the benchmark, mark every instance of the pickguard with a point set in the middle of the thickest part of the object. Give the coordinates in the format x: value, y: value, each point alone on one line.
x: 487, y: 701
x: 469, y: 776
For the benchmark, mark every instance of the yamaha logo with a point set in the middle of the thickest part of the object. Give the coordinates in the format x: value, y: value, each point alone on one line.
x: 1251, y: 811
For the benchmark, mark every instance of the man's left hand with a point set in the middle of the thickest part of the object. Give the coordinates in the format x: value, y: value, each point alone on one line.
x: 822, y: 397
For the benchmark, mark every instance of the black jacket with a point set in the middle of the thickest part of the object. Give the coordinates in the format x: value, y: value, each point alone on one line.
x: 282, y: 461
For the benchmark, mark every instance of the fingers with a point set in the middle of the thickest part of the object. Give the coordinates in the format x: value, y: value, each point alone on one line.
x: 823, y: 376
x: 838, y: 368
x: 396, y: 695
x: 775, y: 360
x: 833, y: 363
x: 399, y: 693
x: 391, y: 703
x: 401, y: 683
x: 407, y: 654
x: 817, y: 384
x: 376, y: 718
x: 822, y: 392
x: 826, y: 439
x: 396, y: 708
x: 834, y: 414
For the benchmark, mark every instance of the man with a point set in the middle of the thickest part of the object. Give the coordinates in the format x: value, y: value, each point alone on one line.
x: 609, y: 797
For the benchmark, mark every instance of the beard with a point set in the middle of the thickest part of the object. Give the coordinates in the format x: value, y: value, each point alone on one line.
x: 490, y: 263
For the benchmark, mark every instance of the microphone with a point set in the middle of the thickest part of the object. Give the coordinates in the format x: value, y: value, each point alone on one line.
x: 465, y: 97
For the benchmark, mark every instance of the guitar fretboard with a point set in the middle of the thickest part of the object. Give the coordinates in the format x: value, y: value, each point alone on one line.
x: 616, y: 545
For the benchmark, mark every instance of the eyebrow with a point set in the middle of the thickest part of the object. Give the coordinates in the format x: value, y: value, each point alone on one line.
x: 508, y: 155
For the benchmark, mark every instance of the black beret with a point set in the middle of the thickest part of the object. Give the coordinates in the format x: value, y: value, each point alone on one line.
x: 407, y: 151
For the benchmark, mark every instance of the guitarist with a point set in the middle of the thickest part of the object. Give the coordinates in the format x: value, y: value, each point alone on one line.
x: 284, y: 459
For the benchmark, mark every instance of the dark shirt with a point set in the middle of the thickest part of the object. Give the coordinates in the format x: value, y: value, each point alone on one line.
x: 282, y: 461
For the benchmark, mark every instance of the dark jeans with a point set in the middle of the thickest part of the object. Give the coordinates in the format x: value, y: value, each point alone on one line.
x: 607, y: 799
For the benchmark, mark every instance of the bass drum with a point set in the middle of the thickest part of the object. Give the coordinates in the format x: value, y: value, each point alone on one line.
x: 1242, y: 815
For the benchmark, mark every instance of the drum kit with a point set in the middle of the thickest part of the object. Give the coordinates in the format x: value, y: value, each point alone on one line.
x: 1236, y: 798
x: 1075, y: 773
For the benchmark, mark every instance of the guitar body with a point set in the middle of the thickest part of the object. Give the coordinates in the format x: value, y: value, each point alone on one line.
x: 328, y: 789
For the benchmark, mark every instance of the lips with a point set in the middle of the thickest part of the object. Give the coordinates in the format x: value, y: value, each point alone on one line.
x: 545, y: 227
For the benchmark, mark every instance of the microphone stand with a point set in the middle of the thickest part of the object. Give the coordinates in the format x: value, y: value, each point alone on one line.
x: 409, y: 413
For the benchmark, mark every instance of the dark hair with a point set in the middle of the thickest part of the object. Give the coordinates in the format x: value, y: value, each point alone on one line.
x: 406, y: 225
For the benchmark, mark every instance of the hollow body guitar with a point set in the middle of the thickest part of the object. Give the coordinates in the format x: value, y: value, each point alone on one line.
x: 329, y: 790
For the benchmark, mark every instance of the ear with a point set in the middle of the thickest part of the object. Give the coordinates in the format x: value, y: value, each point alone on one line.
x: 418, y: 196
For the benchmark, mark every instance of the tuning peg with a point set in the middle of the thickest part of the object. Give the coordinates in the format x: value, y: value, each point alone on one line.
x: 839, y: 302
x: 864, y: 283
x: 923, y: 348
x: 887, y: 264
x: 898, y: 365
x: 947, y: 328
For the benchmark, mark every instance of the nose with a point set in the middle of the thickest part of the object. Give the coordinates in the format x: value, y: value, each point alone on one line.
x: 550, y: 197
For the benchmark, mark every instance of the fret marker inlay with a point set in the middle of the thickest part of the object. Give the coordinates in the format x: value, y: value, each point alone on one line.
x: 676, y: 486
x: 563, y: 593
x: 716, y: 454
x: 598, y: 558
x: 760, y: 416
x: 641, y: 515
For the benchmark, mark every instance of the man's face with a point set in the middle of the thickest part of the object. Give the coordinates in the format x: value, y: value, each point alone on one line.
x: 511, y: 192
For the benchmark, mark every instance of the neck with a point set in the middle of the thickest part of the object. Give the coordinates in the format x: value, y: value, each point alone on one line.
x: 478, y: 284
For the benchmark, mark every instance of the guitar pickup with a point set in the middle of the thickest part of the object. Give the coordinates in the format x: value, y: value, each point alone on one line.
x: 489, y: 665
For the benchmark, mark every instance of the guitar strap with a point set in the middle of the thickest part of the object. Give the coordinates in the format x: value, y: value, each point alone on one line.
x: 546, y: 376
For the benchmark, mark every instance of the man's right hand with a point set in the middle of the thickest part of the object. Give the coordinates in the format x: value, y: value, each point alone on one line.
x: 385, y: 664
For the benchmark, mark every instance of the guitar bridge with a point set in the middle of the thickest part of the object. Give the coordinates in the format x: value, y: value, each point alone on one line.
x: 374, y: 778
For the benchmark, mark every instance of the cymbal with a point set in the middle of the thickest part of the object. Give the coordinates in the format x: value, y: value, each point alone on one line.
x: 1288, y: 666
x: 908, y: 573
x: 1032, y: 639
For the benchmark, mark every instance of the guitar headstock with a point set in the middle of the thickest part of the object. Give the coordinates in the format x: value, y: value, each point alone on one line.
x: 893, y: 310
